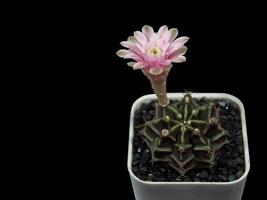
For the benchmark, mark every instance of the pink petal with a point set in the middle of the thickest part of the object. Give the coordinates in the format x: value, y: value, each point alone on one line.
x: 127, y: 54
x: 166, y: 36
x: 123, y: 52
x: 165, y: 62
x: 138, y: 65
x: 153, y: 42
x: 136, y: 47
x: 178, y: 59
x: 160, y: 43
x: 140, y: 37
x: 180, y: 52
x: 139, y: 48
x: 131, y: 39
x: 154, y: 37
x: 155, y: 71
x: 173, y: 34
x: 132, y: 56
x: 148, y: 31
x: 173, y: 48
x: 178, y: 43
x: 131, y: 64
x: 164, y: 48
x: 181, y: 40
x: 127, y: 44
x: 162, y: 30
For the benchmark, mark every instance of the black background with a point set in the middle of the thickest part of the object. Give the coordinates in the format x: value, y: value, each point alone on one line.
x: 96, y: 88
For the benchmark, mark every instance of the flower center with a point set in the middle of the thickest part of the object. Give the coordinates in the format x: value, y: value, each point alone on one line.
x: 155, y: 51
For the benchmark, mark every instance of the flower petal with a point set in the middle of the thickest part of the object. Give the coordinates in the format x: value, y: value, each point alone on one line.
x: 148, y: 31
x: 140, y: 37
x: 134, y: 47
x: 181, y: 40
x: 174, y: 47
x: 152, y: 43
x: 138, y: 65
x: 131, y: 64
x: 123, y: 52
x: 132, y: 56
x: 165, y: 62
x: 182, y: 50
x: 162, y: 30
x: 137, y: 47
x: 155, y: 71
x: 127, y: 44
x: 173, y: 33
x: 176, y: 44
x: 179, y: 52
x: 131, y: 39
x: 178, y: 59
x: 127, y: 54
x: 166, y: 37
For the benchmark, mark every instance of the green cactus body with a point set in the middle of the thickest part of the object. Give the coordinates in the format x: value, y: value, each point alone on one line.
x: 185, y: 135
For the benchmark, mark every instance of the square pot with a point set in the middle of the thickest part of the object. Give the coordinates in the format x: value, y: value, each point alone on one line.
x: 145, y: 190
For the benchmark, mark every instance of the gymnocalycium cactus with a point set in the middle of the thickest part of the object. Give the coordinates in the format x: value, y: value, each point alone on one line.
x: 185, y: 135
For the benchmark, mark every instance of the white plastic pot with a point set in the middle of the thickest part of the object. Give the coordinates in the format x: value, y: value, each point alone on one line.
x: 189, y: 190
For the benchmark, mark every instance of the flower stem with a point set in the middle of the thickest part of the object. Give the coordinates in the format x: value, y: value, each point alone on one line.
x: 160, y: 111
x: 158, y: 83
x: 159, y: 88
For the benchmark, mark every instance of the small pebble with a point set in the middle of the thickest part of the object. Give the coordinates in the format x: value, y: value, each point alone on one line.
x: 187, y: 179
x: 158, y: 179
x: 222, y: 103
x: 143, y: 169
x: 237, y: 126
x: 238, y: 132
x: 230, y: 163
x: 240, y: 161
x: 232, y: 171
x: 216, y: 179
x: 178, y: 179
x: 147, y: 117
x: 239, y: 174
x: 203, y: 174
x: 135, y: 169
x: 241, y: 149
x: 234, y: 155
x: 196, y: 179
x: 152, y: 112
x: 222, y: 178
x: 162, y: 169
x: 231, y: 178
x: 135, y: 162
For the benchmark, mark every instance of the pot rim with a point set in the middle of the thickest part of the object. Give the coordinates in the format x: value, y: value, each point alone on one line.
x: 197, y: 96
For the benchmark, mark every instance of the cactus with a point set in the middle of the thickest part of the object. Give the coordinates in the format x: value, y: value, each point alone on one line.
x: 185, y: 135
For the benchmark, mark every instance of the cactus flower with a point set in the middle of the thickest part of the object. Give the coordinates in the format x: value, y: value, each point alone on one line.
x: 154, y: 53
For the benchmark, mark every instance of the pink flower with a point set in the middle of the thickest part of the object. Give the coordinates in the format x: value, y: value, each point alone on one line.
x: 154, y: 52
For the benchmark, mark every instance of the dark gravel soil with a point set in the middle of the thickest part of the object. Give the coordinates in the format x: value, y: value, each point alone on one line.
x: 229, y: 165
